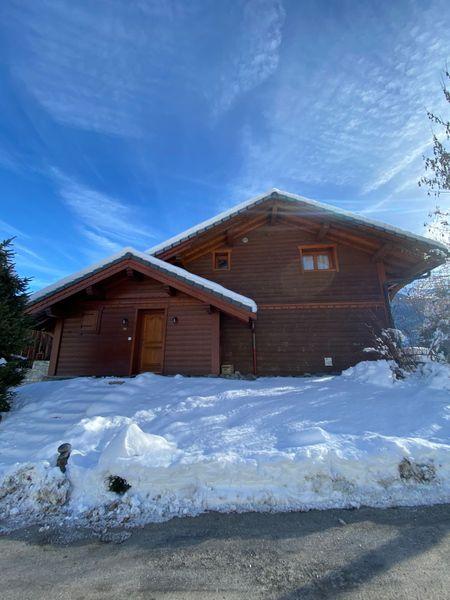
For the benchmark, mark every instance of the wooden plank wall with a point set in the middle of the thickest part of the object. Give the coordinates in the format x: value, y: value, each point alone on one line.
x: 267, y: 269
x: 103, y: 353
x: 292, y: 337
x: 236, y: 344
x: 292, y: 341
x: 189, y: 341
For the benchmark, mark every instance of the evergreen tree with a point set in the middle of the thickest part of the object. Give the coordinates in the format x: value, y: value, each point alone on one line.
x: 14, y: 323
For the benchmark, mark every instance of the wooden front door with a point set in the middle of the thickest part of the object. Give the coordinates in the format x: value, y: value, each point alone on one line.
x: 151, y: 339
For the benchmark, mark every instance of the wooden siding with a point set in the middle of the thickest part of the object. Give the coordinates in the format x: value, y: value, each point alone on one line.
x: 104, y: 353
x: 188, y: 342
x: 267, y: 269
x: 302, y: 316
x: 236, y: 344
x: 188, y: 346
x: 292, y: 342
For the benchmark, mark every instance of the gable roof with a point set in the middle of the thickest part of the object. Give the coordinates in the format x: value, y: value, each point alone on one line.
x: 334, y: 211
x: 173, y: 272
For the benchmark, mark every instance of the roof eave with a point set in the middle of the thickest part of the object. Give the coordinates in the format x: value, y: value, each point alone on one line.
x: 338, y: 214
x: 65, y: 291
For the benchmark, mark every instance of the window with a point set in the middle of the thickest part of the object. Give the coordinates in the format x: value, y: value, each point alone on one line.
x: 222, y: 260
x: 90, y: 321
x: 318, y: 258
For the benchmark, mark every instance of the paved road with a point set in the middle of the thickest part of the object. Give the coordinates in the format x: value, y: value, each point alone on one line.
x: 367, y: 553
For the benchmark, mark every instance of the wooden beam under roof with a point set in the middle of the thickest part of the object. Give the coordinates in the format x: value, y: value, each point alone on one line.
x: 237, y: 222
x: 205, y: 248
x: 394, y: 254
x: 289, y: 220
x: 170, y: 252
x: 170, y: 291
x: 178, y: 261
x: 357, y: 234
x: 273, y: 215
x: 221, y: 239
x: 52, y: 313
x: 381, y: 252
x: 94, y: 291
x: 334, y: 234
x: 323, y: 231
x: 357, y: 230
x: 207, y: 296
x: 409, y: 276
x: 229, y: 238
x: 132, y: 274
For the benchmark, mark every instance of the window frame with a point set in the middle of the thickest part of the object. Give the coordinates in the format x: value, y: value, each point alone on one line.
x: 315, y: 250
x: 215, y: 253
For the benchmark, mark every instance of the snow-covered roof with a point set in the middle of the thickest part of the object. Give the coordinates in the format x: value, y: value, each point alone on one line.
x: 337, y: 212
x: 156, y: 263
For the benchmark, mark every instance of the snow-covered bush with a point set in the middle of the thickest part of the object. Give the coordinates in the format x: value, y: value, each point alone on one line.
x: 390, y: 344
x: 430, y: 296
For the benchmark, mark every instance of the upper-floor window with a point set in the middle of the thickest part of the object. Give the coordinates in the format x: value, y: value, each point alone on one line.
x: 318, y: 258
x: 222, y: 260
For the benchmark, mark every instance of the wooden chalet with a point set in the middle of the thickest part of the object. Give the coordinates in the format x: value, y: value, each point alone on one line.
x: 278, y: 285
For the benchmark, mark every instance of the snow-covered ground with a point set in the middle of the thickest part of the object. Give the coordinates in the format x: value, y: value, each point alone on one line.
x: 187, y: 445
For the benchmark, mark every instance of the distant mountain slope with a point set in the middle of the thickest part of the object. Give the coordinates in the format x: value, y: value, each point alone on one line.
x: 408, y: 317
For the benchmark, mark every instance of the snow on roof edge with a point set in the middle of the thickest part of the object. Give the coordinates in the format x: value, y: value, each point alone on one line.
x: 209, y: 222
x: 159, y: 264
x: 233, y: 211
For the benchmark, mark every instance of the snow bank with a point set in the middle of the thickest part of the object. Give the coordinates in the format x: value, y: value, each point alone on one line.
x: 372, y: 372
x: 187, y: 445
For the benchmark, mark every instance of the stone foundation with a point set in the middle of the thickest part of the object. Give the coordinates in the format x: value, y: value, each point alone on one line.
x: 38, y: 372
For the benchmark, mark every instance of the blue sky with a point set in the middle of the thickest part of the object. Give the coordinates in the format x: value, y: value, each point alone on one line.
x: 123, y: 123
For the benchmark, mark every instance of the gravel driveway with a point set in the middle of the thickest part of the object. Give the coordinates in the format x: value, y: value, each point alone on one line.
x: 366, y: 553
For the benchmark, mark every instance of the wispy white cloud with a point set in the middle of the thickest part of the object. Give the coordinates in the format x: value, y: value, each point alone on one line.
x: 391, y: 172
x: 100, y: 240
x: 28, y: 252
x: 115, y: 68
x: 94, y: 66
x: 253, y: 54
x: 7, y: 230
x: 30, y: 263
x: 107, y: 222
x: 35, y: 266
x: 8, y: 161
x: 359, y: 127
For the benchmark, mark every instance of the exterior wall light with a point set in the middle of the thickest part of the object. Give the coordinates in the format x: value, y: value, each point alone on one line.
x: 174, y: 320
x: 125, y: 323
